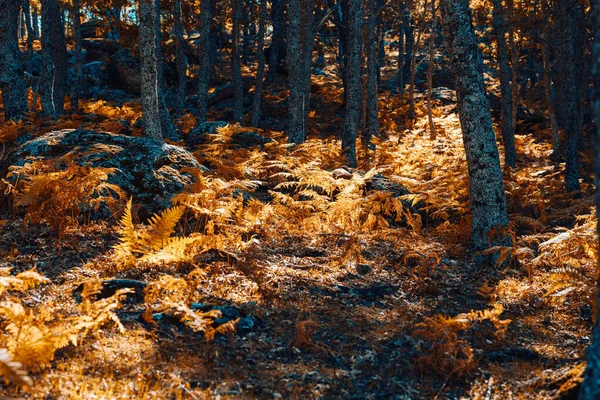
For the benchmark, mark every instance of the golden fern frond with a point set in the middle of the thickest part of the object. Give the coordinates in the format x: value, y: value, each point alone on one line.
x: 13, y: 370
x: 129, y: 238
x: 162, y: 227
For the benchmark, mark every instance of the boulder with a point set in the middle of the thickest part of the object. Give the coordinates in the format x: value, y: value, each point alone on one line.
x: 149, y: 170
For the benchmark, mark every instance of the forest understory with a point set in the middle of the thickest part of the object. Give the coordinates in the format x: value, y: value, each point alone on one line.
x: 344, y: 291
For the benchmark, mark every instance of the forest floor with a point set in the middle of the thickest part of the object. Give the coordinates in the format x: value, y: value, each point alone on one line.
x: 345, y: 298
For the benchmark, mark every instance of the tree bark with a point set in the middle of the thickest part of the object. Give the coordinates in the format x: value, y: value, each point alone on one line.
x: 488, y: 201
x: 36, y: 25
x: 568, y: 81
x: 432, y: 134
x: 181, y: 59
x: 238, y: 89
x: 372, y: 73
x: 508, y: 132
x: 352, y: 87
x: 260, y: 74
x: 547, y: 80
x: 12, y: 83
x: 590, y: 389
x: 76, y: 17
x: 401, y: 37
x: 30, y: 35
x: 54, y: 60
x: 149, y: 95
x: 277, y: 19
x: 204, y: 58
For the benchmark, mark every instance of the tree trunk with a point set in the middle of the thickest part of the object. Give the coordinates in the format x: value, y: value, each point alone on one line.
x: 590, y: 389
x: 238, y: 89
x: 54, y: 60
x: 413, y: 62
x: 36, y: 24
x: 158, y: 38
x: 12, y: 83
x: 568, y: 81
x: 488, y: 201
x: 204, y: 58
x: 181, y: 59
x: 547, y: 80
x: 508, y: 132
x: 372, y: 73
x: 401, y: 36
x: 277, y: 17
x: 296, y: 128
x: 514, y: 63
x: 432, y: 34
x: 149, y: 95
x: 76, y: 17
x: 260, y: 74
x: 30, y: 35
x: 353, y: 20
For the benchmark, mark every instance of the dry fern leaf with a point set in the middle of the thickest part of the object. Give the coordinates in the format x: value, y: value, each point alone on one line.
x: 12, y: 370
x: 162, y: 227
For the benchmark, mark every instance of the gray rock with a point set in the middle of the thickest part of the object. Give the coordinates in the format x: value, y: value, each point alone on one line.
x: 150, y: 171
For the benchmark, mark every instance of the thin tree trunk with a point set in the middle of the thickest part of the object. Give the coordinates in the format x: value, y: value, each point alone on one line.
x: 204, y: 59
x: 352, y: 88
x: 508, y: 132
x: 12, y: 83
x: 30, y: 35
x: 36, y: 24
x: 372, y: 50
x: 158, y: 38
x: 296, y: 128
x: 261, y: 64
x: 149, y: 73
x: 277, y: 17
x: 413, y: 63
x: 76, y: 17
x: 401, y: 37
x: 590, y: 388
x: 488, y: 201
x: 547, y: 74
x: 514, y: 63
x: 181, y: 59
x: 432, y: 34
x: 238, y: 89
x: 54, y: 60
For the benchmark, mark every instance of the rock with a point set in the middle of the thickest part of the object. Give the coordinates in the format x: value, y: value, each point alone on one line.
x: 96, y: 73
x: 341, y: 173
x: 150, y: 171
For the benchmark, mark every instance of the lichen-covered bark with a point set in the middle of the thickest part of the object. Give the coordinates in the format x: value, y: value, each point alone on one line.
x: 401, y: 35
x: 204, y: 61
x: 30, y: 35
x: 260, y: 74
x: 149, y: 74
x: 181, y: 59
x: 12, y: 84
x: 488, y: 201
x: 352, y: 84
x: 508, y: 132
x: 372, y: 72
x: 54, y: 60
x: 590, y: 389
x: 238, y: 87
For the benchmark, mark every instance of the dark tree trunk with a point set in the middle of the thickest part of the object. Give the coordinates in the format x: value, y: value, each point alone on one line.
x: 35, y: 23
x: 590, y: 389
x: 149, y: 95
x: 76, y: 17
x: 353, y: 20
x: 488, y: 201
x: 30, y: 35
x: 12, y: 83
x: 300, y: 37
x: 547, y: 80
x: 508, y: 133
x: 432, y: 33
x: 372, y: 73
x: 54, y: 60
x: 238, y: 88
x: 158, y: 38
x: 277, y: 18
x: 204, y: 59
x: 401, y: 37
x: 181, y: 59
x: 260, y: 74
x: 568, y: 81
